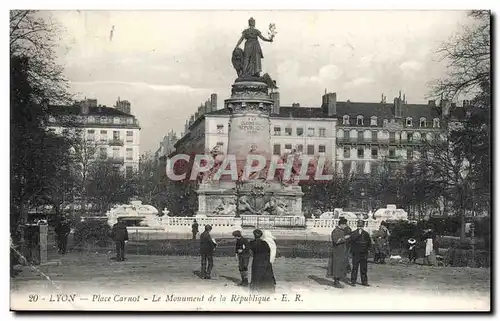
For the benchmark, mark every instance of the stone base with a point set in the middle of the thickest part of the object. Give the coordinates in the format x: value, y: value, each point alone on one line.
x: 255, y: 197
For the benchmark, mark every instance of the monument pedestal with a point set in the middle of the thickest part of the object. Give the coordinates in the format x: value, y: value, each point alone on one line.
x: 249, y: 134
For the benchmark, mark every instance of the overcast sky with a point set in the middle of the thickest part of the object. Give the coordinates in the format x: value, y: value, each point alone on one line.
x: 167, y: 62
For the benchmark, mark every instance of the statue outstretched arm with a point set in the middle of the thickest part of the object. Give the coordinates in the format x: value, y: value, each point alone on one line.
x: 240, y: 41
x: 264, y: 38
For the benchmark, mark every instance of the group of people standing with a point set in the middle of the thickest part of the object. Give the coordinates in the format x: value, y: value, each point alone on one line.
x: 345, y: 244
x: 262, y: 248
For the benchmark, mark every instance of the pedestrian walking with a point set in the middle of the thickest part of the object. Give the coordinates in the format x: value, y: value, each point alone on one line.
x: 62, y: 229
x: 337, y: 267
x: 207, y: 248
x: 360, y: 245
x: 119, y: 234
x: 243, y: 256
x: 264, y: 253
x: 194, y: 229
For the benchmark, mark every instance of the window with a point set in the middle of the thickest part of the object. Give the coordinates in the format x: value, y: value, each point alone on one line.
x: 322, y: 132
x: 130, y: 136
x: 361, y: 136
x: 347, y: 152
x: 129, y: 153
x: 361, y: 152
x: 409, y: 153
x: 373, y: 121
x: 130, y: 121
x: 392, y: 153
x: 103, y: 153
x: 373, y: 167
x: 346, y: 134
x: 116, y: 120
x: 104, y: 135
x: 288, y: 148
x: 310, y: 149
x: 220, y: 129
x: 386, y: 121
x: 392, y: 137
x: 345, y: 120
x: 91, y: 132
x: 310, y: 131
x: 116, y: 135
x: 359, y: 120
x: 360, y: 167
x: 374, y: 135
x: 288, y: 131
x: 422, y: 122
x: 116, y: 152
x: 346, y: 167
x: 277, y: 149
x: 103, y: 120
x: 435, y: 123
x: 129, y: 171
x: 409, y: 137
x: 300, y: 131
x: 220, y: 143
x: 409, y: 122
x: 91, y: 119
x: 321, y: 148
x: 277, y: 131
x: 374, y: 153
x: 300, y: 148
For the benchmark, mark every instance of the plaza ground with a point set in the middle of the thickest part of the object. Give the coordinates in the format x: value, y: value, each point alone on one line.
x: 393, y: 286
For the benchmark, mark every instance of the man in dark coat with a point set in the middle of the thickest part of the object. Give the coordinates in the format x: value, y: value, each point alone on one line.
x: 243, y: 255
x: 360, y: 245
x: 337, y: 267
x: 207, y: 247
x: 262, y: 268
x: 62, y: 230
x: 347, y: 231
x: 119, y: 234
x: 194, y: 229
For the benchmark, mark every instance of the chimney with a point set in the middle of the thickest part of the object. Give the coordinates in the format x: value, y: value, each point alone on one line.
x: 186, y: 126
x: 445, y: 107
x: 85, y: 106
x: 332, y: 104
x: 275, y: 96
x: 295, y: 105
x: 398, y: 113
x: 207, y: 107
x: 432, y: 103
x: 213, y: 102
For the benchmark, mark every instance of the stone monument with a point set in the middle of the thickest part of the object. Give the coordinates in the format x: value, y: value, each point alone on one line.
x: 250, y: 106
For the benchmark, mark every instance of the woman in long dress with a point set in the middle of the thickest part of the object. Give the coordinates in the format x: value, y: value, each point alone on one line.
x: 264, y: 253
x: 252, y: 54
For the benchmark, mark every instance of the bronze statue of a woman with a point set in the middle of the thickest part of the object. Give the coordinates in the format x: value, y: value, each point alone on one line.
x: 248, y: 62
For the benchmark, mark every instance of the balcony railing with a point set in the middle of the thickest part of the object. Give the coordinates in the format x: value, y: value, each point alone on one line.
x: 116, y: 142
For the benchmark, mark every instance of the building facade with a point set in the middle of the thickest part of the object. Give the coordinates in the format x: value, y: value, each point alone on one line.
x: 112, y: 134
x: 355, y: 136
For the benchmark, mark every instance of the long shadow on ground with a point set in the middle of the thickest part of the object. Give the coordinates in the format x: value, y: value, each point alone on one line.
x: 231, y: 278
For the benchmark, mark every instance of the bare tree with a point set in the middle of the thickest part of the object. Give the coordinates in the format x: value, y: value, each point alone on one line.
x: 34, y: 37
x: 468, y: 55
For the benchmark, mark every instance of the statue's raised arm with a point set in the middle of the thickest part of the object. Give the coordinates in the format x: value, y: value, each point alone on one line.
x: 247, y: 62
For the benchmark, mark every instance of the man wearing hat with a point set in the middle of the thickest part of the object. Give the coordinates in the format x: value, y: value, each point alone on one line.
x: 207, y: 247
x: 360, y: 245
x: 337, y: 267
x: 243, y: 255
